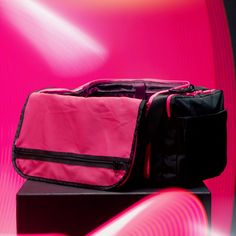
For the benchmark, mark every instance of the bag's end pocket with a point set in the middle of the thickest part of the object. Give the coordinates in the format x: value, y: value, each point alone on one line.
x: 202, y: 151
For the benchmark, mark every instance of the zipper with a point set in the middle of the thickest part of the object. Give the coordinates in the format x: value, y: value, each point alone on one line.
x: 72, y: 159
x: 190, y: 93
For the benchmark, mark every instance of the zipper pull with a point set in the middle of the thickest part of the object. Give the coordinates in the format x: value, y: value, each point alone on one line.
x: 189, y: 89
x: 118, y: 165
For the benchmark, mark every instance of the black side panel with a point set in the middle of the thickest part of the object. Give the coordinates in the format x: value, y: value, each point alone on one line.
x: 200, y: 126
x: 191, y: 146
x: 202, y: 146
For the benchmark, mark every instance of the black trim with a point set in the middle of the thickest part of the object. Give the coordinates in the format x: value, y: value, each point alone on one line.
x: 16, y: 136
x: 72, y: 159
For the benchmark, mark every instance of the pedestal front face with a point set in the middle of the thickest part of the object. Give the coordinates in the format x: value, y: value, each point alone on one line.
x: 51, y: 208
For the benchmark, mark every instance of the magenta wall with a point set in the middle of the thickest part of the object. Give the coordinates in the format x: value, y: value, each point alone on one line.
x: 186, y: 39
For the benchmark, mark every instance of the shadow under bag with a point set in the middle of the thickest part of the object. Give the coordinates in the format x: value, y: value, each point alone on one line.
x: 114, y: 133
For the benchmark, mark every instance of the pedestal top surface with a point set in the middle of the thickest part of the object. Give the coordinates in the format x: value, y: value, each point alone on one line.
x: 31, y: 187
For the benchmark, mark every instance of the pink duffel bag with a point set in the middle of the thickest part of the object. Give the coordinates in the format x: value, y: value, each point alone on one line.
x: 104, y: 134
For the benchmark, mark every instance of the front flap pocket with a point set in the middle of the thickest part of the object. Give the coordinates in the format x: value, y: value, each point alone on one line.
x: 86, y: 141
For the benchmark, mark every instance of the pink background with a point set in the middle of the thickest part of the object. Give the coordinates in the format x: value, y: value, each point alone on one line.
x: 184, y: 40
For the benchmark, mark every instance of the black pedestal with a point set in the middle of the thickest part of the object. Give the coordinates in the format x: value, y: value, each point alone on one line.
x: 50, y: 208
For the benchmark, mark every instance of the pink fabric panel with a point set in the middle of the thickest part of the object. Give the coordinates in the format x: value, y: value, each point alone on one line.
x: 90, y: 126
x: 70, y: 173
